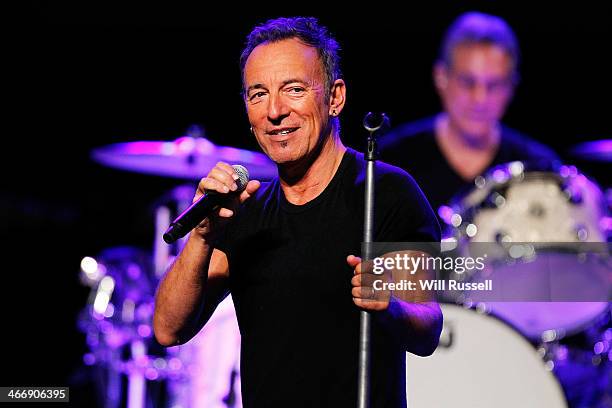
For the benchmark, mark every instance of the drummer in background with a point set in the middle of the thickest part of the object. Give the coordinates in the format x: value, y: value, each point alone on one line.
x: 475, y: 76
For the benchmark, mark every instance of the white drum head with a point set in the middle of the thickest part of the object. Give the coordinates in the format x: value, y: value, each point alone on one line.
x: 481, y: 362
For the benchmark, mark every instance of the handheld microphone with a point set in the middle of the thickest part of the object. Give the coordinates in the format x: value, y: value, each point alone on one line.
x: 203, y: 207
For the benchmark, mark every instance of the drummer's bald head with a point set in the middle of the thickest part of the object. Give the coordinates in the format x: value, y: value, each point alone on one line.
x: 479, y: 28
x: 305, y: 29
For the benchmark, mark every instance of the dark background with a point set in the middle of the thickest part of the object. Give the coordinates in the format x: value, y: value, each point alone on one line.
x: 87, y: 75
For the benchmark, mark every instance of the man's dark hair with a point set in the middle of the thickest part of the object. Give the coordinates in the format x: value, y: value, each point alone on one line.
x: 479, y: 28
x: 308, y: 31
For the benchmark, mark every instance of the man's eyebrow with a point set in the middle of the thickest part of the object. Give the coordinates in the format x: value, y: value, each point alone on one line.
x: 255, y: 86
x: 284, y: 83
x: 292, y: 80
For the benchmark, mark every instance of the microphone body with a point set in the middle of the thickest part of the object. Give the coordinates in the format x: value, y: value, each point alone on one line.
x: 203, y: 207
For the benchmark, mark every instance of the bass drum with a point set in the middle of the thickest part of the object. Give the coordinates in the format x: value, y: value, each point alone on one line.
x: 481, y: 362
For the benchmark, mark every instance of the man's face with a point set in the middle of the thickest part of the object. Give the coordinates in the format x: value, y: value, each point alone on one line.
x: 477, y: 88
x: 285, y: 99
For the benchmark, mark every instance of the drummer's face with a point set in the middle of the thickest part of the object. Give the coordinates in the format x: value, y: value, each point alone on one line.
x: 285, y: 99
x: 476, y: 88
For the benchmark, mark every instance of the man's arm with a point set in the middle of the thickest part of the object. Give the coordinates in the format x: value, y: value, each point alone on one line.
x: 189, y: 292
x: 198, y: 279
x: 417, y: 325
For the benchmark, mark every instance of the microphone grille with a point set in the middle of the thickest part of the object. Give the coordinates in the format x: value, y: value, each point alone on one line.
x: 243, y: 176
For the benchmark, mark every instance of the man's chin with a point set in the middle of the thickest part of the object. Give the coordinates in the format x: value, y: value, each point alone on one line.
x: 281, y: 159
x: 477, y: 131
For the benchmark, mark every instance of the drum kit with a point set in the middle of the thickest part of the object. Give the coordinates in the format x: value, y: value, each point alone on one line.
x: 491, y: 354
x: 526, y: 351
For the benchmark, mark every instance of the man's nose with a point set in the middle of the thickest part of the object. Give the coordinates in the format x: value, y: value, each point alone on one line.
x: 480, y: 92
x: 277, y: 109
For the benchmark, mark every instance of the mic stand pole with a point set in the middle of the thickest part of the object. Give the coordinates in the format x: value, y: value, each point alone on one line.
x: 372, y: 123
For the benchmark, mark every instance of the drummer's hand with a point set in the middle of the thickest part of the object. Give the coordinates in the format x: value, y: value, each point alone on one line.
x: 364, y: 295
x: 222, y: 178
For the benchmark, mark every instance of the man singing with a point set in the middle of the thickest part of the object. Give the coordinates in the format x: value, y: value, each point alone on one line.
x: 286, y: 249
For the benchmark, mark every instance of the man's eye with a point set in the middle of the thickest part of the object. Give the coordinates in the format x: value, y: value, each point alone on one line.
x: 296, y: 90
x: 256, y: 95
x: 500, y: 85
x: 467, y: 82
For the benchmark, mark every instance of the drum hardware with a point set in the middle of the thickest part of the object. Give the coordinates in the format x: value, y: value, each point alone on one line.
x: 188, y: 157
x: 446, y: 336
x: 117, y: 323
x: 597, y: 150
x: 131, y: 369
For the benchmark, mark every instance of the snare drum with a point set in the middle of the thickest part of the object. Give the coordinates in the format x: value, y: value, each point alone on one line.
x: 513, y: 203
x: 555, y: 209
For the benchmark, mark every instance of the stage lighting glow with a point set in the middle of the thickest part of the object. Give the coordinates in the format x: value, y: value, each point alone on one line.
x: 101, y: 302
x: 107, y: 284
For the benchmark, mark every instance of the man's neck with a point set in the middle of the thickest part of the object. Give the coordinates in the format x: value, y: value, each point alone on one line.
x: 302, y: 182
x: 467, y: 156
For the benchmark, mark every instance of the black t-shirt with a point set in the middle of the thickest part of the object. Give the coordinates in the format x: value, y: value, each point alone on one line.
x: 290, y: 285
x: 413, y: 147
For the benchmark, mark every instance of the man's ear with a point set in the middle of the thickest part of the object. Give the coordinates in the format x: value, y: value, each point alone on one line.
x: 440, y: 76
x: 337, y: 97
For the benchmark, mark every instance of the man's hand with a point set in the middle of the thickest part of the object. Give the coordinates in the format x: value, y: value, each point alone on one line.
x: 222, y: 178
x: 364, y: 294
x: 412, y: 316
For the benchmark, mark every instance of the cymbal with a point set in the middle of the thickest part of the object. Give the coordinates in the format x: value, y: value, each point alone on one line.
x: 597, y: 150
x: 185, y: 158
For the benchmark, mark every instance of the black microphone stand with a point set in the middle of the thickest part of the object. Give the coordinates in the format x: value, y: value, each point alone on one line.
x: 373, y: 122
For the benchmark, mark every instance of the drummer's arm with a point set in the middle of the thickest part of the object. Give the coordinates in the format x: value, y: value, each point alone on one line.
x: 189, y: 292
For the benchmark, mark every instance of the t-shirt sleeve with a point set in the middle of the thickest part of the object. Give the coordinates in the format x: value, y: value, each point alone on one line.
x: 405, y: 214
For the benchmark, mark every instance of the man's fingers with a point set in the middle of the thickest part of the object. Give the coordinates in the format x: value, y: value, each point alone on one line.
x: 221, y: 178
x: 250, y: 189
x: 225, y: 213
x: 365, y: 279
x: 228, y: 169
x: 211, y: 184
x: 252, y: 186
x: 363, y: 292
x: 227, y: 179
x: 354, y: 262
x: 370, y: 305
x: 360, y: 267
